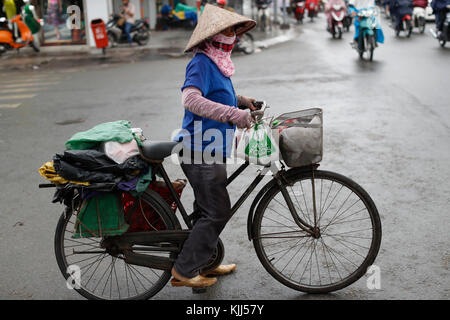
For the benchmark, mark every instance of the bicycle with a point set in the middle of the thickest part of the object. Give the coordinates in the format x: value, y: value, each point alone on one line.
x: 314, y: 231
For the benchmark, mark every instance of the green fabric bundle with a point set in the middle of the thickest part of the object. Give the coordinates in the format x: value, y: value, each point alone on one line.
x: 101, y: 216
x: 119, y: 131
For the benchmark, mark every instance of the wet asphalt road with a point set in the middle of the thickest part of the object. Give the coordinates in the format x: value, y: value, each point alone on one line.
x: 386, y: 125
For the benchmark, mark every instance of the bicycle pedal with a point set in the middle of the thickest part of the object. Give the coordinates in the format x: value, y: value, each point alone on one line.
x: 199, y: 290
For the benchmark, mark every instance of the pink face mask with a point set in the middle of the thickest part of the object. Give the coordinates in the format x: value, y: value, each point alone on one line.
x: 218, y: 49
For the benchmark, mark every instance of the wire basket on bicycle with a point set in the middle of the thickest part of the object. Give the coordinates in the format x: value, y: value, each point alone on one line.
x: 300, y: 136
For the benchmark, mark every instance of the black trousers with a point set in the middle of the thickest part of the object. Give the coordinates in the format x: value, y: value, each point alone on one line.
x: 209, y: 184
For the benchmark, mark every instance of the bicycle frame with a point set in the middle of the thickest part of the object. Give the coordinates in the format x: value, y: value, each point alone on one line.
x: 280, y: 178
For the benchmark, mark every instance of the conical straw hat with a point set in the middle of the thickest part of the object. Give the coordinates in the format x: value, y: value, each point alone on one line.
x: 214, y: 20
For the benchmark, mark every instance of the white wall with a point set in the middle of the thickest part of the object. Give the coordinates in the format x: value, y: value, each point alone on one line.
x: 95, y: 9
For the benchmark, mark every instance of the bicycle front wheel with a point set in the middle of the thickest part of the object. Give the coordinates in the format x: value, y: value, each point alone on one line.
x: 339, y: 254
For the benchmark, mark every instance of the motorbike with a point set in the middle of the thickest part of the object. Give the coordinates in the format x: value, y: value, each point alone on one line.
x: 299, y: 10
x: 263, y: 15
x: 402, y: 14
x: 245, y: 44
x: 419, y: 19
x: 140, y: 31
x: 444, y: 35
x: 367, y: 33
x: 405, y: 25
x: 347, y: 22
x: 312, y: 6
x: 9, y: 42
x: 337, y: 13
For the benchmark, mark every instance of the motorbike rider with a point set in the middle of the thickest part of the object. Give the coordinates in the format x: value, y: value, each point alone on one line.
x: 9, y: 7
x: 400, y: 8
x: 223, y: 4
x: 30, y: 17
x: 439, y: 9
x: 420, y: 3
x: 129, y: 13
x: 354, y: 7
x: 260, y: 3
x: 328, y: 5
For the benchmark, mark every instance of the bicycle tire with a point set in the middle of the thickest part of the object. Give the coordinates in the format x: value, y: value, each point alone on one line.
x: 342, y: 283
x: 162, y: 209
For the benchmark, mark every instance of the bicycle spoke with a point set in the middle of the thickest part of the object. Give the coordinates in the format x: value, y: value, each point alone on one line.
x: 331, y: 221
x: 329, y: 205
x: 342, y: 205
x: 95, y: 270
x: 291, y: 259
x: 350, y: 248
x: 331, y: 258
x: 329, y: 190
x: 326, y: 261
x: 306, y: 206
x: 132, y: 279
x: 343, y: 218
x: 96, y: 256
x: 295, y: 269
x: 299, y: 206
x: 289, y: 249
x: 355, y: 244
x: 279, y: 222
x: 277, y: 243
x: 280, y: 213
x: 317, y: 262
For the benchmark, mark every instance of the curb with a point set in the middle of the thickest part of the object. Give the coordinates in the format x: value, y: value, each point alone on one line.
x: 91, y: 56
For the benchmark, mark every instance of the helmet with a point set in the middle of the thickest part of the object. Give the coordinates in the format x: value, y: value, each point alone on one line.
x: 222, y: 2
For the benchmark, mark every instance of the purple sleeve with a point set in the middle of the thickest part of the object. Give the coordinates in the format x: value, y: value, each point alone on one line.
x: 193, y: 101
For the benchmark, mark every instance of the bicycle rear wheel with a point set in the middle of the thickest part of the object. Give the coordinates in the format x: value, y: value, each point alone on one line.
x: 349, y: 233
x: 104, y: 274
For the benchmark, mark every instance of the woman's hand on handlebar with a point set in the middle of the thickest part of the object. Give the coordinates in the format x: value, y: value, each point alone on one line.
x: 247, y: 103
x: 241, y: 118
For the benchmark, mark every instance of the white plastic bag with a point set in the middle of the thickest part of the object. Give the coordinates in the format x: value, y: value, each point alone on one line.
x: 258, y: 145
x: 119, y: 152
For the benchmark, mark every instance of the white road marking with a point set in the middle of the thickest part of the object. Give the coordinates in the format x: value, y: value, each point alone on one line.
x: 18, y: 85
x: 9, y: 106
x: 18, y: 90
x: 16, y: 97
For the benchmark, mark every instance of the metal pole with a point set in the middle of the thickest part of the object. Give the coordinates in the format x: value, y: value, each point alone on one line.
x: 275, y: 12
x: 284, y: 25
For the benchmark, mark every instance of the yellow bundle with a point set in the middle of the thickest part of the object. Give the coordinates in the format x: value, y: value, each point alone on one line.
x: 48, y: 172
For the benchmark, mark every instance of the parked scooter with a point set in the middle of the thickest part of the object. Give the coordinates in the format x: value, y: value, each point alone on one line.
x: 9, y: 42
x: 140, y: 31
x: 299, y: 10
x: 335, y: 10
x: 444, y: 35
x: 313, y: 7
x: 367, y: 33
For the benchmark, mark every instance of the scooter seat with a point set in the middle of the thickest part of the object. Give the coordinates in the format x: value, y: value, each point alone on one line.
x: 157, y: 150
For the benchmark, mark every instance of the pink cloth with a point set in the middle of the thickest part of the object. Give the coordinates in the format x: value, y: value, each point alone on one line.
x: 221, y: 58
x: 193, y: 101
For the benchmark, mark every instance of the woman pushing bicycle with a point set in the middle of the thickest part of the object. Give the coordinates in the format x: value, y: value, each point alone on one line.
x: 210, y: 103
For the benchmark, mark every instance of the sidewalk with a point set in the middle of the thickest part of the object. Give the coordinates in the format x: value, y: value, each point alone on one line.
x: 162, y: 44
